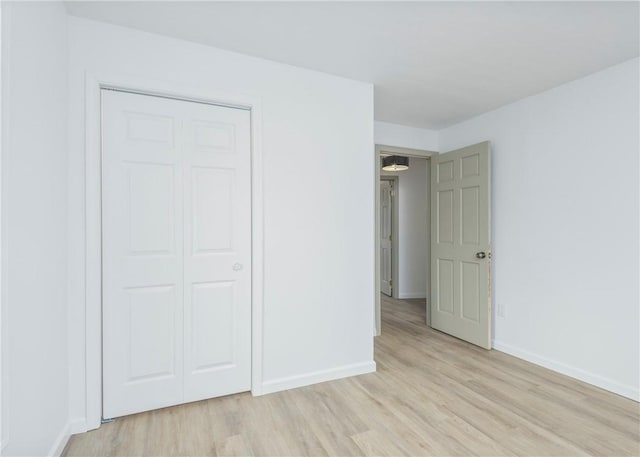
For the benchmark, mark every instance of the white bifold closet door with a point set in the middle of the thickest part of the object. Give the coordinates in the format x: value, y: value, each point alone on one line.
x: 176, y: 250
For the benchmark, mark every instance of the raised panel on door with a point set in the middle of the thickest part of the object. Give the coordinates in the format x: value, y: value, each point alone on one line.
x: 176, y: 252
x: 212, y: 324
x: 444, y: 286
x: 445, y: 212
x: 150, y: 208
x: 142, y: 255
x: 212, y: 209
x: 217, y: 252
x: 151, y: 349
x: 460, y: 236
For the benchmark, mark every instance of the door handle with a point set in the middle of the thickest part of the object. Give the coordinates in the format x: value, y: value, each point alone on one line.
x: 237, y: 267
x: 481, y: 255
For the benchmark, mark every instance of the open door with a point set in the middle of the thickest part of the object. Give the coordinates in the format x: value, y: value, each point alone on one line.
x: 461, y: 244
x: 386, y: 281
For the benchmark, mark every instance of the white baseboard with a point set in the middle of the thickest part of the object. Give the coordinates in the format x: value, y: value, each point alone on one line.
x: 292, y: 382
x: 61, y: 441
x: 630, y: 392
x: 407, y: 295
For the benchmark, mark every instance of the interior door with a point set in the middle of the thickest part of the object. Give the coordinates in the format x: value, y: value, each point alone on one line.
x: 176, y: 251
x: 461, y: 244
x: 386, y: 282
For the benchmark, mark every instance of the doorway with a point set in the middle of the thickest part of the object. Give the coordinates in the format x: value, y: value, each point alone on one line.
x: 409, y: 244
x: 458, y: 247
x: 176, y: 244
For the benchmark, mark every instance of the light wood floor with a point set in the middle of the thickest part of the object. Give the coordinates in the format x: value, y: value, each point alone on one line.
x: 432, y: 395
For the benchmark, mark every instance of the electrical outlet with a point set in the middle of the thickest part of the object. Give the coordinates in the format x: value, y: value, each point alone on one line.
x: 501, y: 310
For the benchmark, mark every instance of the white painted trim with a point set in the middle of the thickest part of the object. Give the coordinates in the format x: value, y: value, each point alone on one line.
x: 257, y: 248
x: 93, y: 225
x: 61, y: 441
x: 5, y: 138
x: 2, y: 333
x: 316, y: 377
x: 93, y: 256
x: 408, y: 295
x: 596, y: 380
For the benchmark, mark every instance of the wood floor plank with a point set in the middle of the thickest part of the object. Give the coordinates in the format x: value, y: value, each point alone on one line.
x: 432, y: 394
x: 233, y: 446
x: 373, y: 443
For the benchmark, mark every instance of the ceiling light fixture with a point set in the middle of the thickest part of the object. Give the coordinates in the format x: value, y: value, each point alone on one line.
x: 395, y: 163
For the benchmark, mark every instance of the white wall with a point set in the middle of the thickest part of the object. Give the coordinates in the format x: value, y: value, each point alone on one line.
x: 565, y: 225
x: 318, y: 217
x: 406, y: 137
x: 412, y: 229
x: 34, y: 212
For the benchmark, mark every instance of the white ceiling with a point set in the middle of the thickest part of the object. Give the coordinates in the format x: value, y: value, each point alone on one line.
x: 433, y: 63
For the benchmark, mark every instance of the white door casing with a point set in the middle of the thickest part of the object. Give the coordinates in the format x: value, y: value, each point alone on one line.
x: 386, y: 223
x: 461, y: 244
x: 176, y: 252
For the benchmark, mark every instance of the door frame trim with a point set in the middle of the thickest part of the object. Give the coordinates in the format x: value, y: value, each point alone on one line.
x: 421, y: 153
x: 94, y: 83
x: 395, y: 182
x: 5, y: 130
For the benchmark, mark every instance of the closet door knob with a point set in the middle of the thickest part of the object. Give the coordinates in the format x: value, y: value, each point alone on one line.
x: 237, y: 267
